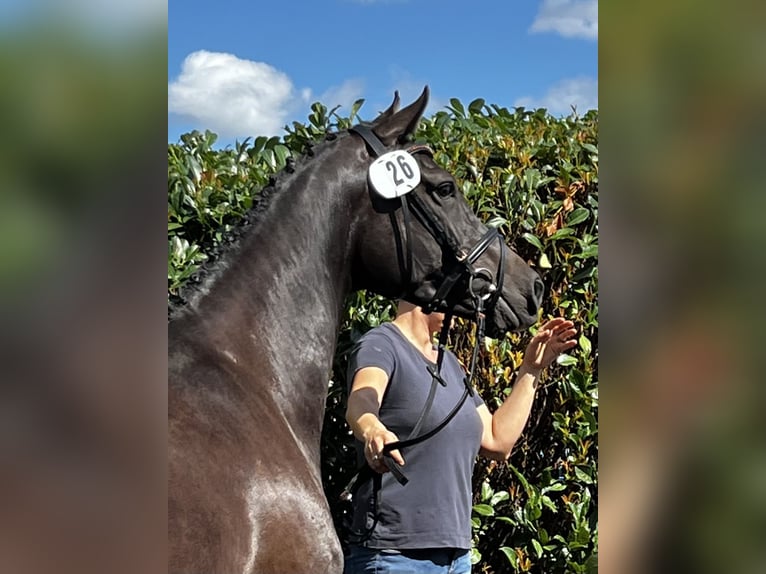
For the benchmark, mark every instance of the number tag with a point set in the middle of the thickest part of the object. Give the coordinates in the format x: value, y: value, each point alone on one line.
x: 394, y: 174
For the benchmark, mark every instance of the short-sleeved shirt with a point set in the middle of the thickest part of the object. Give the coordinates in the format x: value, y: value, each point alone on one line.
x: 433, y: 510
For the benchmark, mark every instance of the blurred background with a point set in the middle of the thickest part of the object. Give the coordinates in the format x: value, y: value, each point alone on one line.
x: 682, y: 464
x: 82, y: 279
x: 83, y: 286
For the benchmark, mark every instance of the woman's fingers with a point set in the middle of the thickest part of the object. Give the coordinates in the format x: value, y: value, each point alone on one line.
x: 558, y: 325
x: 555, y: 323
x: 397, y: 456
x: 561, y: 331
x: 374, y: 452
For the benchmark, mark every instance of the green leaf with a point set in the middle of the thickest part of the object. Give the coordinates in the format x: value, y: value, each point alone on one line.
x: 258, y: 145
x: 281, y: 152
x: 532, y: 178
x: 483, y: 509
x: 563, y: 232
x: 584, y: 344
x: 510, y: 553
x: 195, y: 168
x: 566, y: 360
x: 497, y: 221
x: 577, y: 216
x: 457, y: 107
x: 533, y: 239
x: 486, y: 490
x: 507, y: 519
x: 475, y: 556
x: 582, y: 476
x: 555, y: 487
x: 548, y: 503
x: 498, y: 497
x: 355, y: 108
x: 582, y: 536
x: 588, y: 252
x: 591, y: 564
x: 521, y: 478
x: 538, y: 548
x: 577, y: 378
x: 178, y: 246
x: 272, y: 142
x: 586, y: 273
x: 590, y: 147
x: 543, y: 262
x: 476, y: 106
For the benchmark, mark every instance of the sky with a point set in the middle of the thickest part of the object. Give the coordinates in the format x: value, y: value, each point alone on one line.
x: 247, y: 68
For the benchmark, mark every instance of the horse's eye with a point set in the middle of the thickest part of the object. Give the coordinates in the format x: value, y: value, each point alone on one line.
x: 445, y: 189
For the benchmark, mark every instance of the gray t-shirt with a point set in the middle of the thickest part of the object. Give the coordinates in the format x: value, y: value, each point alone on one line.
x: 433, y: 510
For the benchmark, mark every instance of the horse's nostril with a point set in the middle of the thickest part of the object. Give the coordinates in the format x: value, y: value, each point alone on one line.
x: 538, y: 291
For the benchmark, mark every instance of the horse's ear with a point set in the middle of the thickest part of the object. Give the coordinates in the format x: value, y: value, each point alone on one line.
x: 392, y: 109
x: 396, y: 126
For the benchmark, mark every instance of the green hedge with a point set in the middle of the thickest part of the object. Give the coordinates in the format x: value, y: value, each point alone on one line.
x: 534, y: 176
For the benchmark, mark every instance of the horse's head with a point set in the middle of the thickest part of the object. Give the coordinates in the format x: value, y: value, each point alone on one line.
x: 421, y: 241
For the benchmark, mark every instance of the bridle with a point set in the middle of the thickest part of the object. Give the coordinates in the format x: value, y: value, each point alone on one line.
x: 462, y: 267
x: 462, y: 259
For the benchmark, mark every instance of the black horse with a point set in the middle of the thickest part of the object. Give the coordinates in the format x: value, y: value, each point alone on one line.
x: 250, y: 358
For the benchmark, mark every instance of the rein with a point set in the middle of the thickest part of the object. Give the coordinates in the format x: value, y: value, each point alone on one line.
x: 365, y: 472
x: 414, y: 438
x: 463, y: 267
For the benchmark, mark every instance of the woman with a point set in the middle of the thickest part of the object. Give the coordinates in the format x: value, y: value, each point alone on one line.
x: 425, y: 525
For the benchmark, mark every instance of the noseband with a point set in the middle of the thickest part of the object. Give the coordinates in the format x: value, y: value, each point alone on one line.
x: 462, y: 260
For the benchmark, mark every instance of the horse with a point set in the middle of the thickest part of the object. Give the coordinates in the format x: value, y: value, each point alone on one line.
x: 250, y: 357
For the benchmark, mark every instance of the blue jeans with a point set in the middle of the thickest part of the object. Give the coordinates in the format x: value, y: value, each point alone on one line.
x: 424, y: 561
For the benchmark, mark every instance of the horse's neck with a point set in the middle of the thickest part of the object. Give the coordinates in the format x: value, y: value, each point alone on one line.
x: 280, y: 299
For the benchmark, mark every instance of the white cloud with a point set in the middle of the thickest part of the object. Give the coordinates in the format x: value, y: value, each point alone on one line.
x: 238, y: 98
x: 570, y: 18
x: 582, y: 93
x: 231, y: 96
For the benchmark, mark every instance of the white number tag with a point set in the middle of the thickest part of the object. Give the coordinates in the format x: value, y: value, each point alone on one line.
x: 394, y: 174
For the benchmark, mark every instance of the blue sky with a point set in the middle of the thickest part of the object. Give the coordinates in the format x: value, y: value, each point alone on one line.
x: 249, y: 68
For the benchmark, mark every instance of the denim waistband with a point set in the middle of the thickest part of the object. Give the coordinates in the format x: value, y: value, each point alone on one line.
x: 436, y: 555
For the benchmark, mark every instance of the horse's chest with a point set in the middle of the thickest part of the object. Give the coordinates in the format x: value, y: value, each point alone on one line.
x: 292, y: 529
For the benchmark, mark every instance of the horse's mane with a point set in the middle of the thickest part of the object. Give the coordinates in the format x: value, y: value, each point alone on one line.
x: 220, y: 254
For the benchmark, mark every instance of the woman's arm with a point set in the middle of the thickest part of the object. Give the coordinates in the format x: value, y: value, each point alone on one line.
x: 362, y: 416
x: 503, y: 429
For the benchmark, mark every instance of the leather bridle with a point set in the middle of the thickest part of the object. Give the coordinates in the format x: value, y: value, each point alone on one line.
x: 463, y: 260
